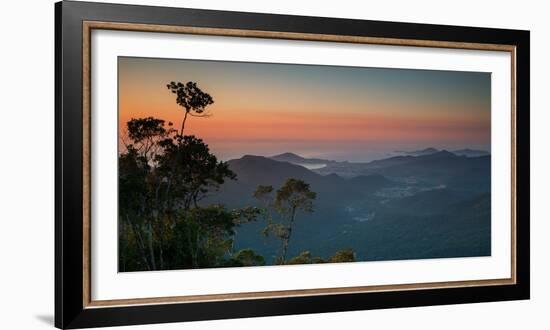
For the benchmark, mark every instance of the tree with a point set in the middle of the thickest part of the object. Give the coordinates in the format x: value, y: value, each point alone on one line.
x: 162, y: 173
x: 144, y: 135
x: 295, y: 195
x: 134, y: 201
x: 264, y: 195
x: 345, y: 255
x: 203, y: 236
x: 163, y: 176
x: 246, y: 257
x: 178, y: 171
x: 193, y: 100
x: 305, y: 257
x: 190, y: 171
x: 139, y: 184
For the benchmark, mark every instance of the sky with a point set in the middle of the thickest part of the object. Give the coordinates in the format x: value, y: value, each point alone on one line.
x: 332, y: 112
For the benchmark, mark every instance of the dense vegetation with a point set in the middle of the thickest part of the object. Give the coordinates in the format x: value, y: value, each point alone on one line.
x: 164, y: 221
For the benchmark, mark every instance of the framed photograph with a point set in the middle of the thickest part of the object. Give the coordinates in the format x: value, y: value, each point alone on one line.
x: 215, y: 164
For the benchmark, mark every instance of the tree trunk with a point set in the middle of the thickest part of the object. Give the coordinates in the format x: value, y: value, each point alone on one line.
x: 287, y: 240
x: 161, y: 210
x: 151, y: 249
x: 139, y: 242
x: 122, y: 248
x: 191, y: 249
x: 161, y: 257
x: 196, y: 251
x: 183, y: 122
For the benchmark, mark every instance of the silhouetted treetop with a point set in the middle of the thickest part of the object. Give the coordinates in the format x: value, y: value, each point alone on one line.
x: 144, y: 128
x: 191, y: 168
x: 190, y: 97
x: 145, y: 135
x: 294, y: 194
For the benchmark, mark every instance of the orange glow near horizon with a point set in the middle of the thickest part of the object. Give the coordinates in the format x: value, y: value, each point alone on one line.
x: 263, y: 108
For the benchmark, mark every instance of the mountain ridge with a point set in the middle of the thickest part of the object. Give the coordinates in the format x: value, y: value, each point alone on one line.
x: 291, y: 157
x: 414, y: 201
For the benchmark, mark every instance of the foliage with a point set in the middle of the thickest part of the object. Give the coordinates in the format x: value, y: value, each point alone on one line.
x: 189, y: 170
x: 145, y: 135
x: 264, y: 195
x: 191, y: 98
x: 202, y: 237
x: 305, y: 257
x: 346, y: 255
x: 246, y: 257
x: 295, y: 195
x: 164, y: 176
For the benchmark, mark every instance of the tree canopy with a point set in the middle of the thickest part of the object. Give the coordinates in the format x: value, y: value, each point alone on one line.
x: 163, y: 177
x: 191, y: 98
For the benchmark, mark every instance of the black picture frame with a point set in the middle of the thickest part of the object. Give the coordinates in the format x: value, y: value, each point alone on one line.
x: 70, y: 310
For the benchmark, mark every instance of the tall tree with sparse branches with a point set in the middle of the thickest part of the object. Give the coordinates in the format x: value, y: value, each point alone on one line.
x: 295, y: 195
x: 192, y: 99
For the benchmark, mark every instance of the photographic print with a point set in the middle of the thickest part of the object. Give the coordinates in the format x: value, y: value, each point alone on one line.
x: 231, y: 164
x: 207, y: 163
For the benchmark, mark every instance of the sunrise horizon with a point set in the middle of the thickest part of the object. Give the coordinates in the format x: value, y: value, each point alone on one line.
x: 332, y: 112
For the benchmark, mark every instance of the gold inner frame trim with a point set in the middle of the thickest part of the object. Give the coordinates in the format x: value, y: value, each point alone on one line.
x: 88, y: 26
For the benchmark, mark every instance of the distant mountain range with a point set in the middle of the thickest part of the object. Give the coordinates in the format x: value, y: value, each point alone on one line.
x: 257, y: 170
x: 441, y: 167
x: 290, y: 157
x: 462, y: 152
x: 422, y: 152
x: 471, y: 153
x: 348, y: 169
x: 432, y: 205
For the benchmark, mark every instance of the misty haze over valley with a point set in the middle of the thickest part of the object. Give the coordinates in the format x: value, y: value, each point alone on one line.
x: 428, y: 203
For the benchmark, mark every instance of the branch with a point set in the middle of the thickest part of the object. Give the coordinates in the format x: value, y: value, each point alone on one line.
x: 201, y: 115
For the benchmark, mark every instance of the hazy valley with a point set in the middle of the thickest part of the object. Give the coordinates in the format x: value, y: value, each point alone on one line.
x: 428, y: 204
